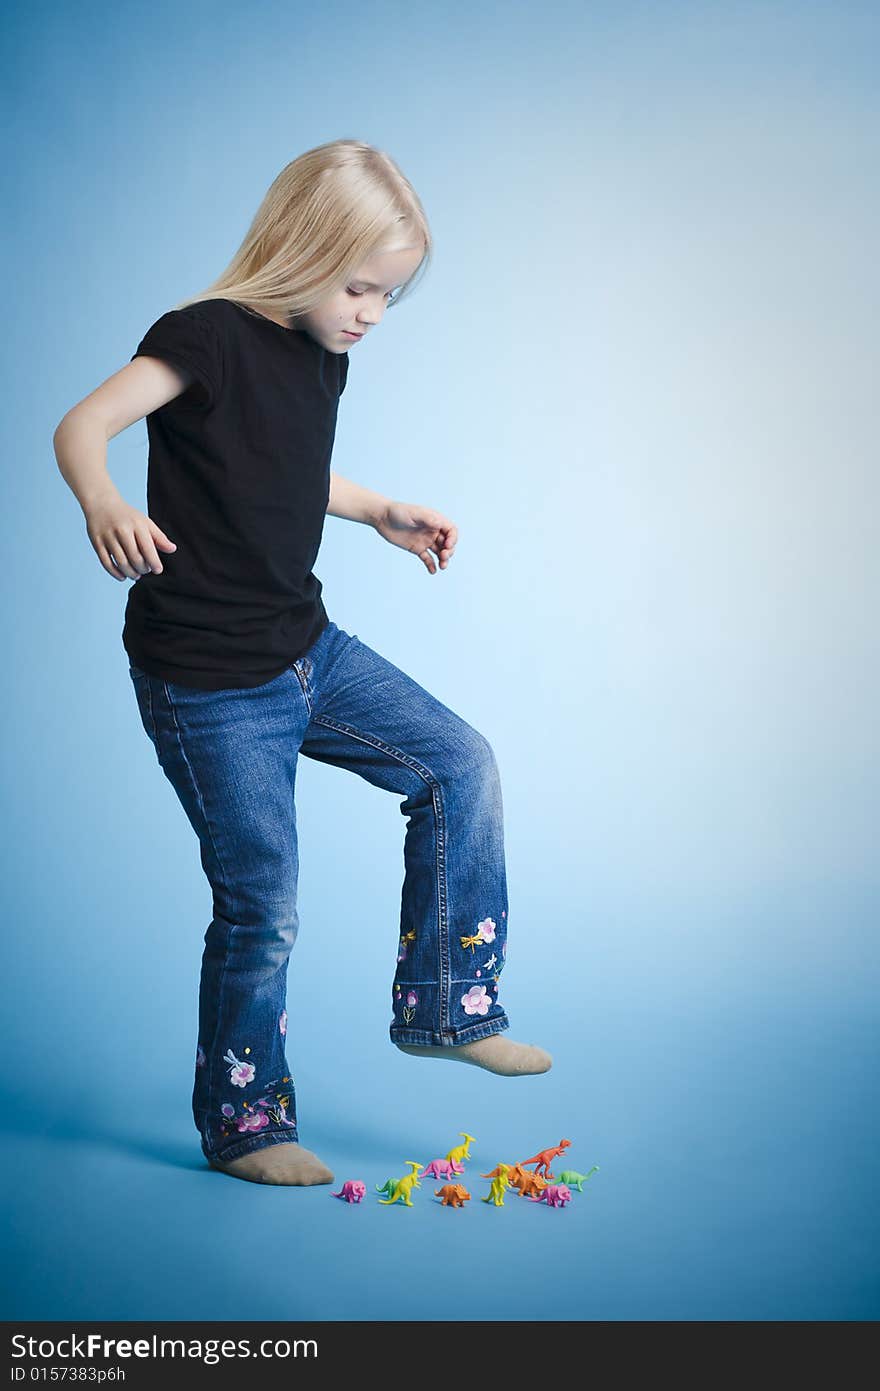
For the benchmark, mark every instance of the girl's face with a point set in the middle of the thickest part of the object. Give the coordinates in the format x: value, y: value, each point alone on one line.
x: 357, y: 308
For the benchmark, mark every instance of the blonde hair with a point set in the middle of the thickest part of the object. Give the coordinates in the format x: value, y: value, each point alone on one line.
x: 322, y: 216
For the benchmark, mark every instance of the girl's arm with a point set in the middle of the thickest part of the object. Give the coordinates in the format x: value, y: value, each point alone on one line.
x: 124, y: 539
x: 422, y: 530
x: 353, y: 502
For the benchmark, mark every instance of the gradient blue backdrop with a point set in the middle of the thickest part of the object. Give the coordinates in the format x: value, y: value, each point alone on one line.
x: 639, y: 377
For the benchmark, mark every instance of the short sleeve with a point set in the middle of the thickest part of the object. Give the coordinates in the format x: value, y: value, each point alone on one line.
x: 343, y: 371
x: 187, y: 339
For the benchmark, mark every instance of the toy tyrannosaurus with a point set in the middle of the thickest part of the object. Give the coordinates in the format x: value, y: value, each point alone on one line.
x: 542, y: 1159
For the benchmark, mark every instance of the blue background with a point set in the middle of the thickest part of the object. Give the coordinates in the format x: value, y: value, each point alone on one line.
x: 640, y: 376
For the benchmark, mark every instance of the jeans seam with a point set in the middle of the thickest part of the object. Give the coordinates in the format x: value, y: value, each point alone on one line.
x: 254, y: 1143
x: 468, y: 1033
x: 439, y: 840
x: 150, y: 708
x: 212, y: 1047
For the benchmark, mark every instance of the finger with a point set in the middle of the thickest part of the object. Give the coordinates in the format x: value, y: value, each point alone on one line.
x: 149, y: 552
x: 108, y: 562
x: 429, y: 561
x: 127, y: 555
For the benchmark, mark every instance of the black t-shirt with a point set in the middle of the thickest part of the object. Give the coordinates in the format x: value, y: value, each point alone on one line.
x: 239, y: 478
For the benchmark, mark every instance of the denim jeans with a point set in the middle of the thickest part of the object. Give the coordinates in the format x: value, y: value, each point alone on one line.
x: 231, y: 757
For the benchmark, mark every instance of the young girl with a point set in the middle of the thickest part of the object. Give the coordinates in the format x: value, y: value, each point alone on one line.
x: 237, y: 668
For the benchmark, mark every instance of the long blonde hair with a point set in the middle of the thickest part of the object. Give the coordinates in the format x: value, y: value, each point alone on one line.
x: 325, y: 213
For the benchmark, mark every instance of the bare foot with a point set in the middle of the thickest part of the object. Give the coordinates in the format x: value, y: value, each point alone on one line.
x: 495, y: 1054
x: 286, y: 1163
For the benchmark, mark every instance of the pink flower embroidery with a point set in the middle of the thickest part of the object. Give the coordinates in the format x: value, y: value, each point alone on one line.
x: 476, y: 1001
x: 282, y: 1021
x: 227, y: 1109
x: 412, y: 999
x: 486, y: 930
x: 252, y: 1121
x: 239, y: 1073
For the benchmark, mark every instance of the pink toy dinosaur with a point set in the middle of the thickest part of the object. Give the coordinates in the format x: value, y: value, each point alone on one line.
x: 352, y: 1190
x: 442, y: 1168
x: 555, y: 1195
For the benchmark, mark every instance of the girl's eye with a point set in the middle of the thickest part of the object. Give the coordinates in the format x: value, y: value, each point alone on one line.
x: 389, y: 296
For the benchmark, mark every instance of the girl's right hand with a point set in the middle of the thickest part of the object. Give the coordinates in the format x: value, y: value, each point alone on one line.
x: 126, y: 542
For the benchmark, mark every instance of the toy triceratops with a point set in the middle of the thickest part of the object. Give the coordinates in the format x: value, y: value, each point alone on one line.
x: 555, y: 1195
x: 453, y: 1195
x: 352, y: 1191
x: 442, y: 1168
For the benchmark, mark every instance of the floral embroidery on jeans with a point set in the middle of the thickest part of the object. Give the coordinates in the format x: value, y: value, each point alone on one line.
x: 282, y: 1021
x: 249, y: 1121
x: 200, y: 1056
x: 485, y: 933
x: 409, y: 1009
x: 239, y: 1073
x: 476, y: 1001
x: 256, y: 1116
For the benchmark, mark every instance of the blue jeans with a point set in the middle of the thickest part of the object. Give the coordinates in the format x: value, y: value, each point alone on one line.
x: 231, y: 757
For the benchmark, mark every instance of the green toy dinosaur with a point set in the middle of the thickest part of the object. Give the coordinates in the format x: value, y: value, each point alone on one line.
x: 576, y: 1180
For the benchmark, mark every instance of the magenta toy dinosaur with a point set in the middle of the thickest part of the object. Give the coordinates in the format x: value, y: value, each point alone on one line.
x: 442, y: 1168
x: 554, y: 1195
x: 352, y: 1191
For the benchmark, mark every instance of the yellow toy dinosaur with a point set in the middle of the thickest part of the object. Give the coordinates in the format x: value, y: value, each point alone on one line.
x: 402, y: 1187
x: 499, y: 1185
x: 461, y: 1152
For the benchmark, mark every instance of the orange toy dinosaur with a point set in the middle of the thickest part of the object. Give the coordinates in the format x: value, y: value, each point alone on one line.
x: 453, y: 1195
x: 543, y: 1158
x: 520, y: 1178
x: 531, y: 1184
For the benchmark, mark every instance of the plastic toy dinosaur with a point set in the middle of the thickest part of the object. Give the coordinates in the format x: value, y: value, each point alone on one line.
x: 516, y: 1177
x: 400, y: 1188
x: 442, y: 1168
x: 576, y: 1180
x: 512, y: 1169
x: 554, y: 1195
x: 542, y: 1159
x: 499, y: 1186
x: 459, y: 1153
x: 453, y: 1195
x: 352, y: 1191
x: 531, y: 1183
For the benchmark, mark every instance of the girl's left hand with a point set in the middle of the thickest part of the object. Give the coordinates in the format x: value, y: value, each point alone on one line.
x: 421, y: 530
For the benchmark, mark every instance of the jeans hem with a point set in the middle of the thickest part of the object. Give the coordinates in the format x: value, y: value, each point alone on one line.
x: 448, y: 1039
x: 254, y: 1142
